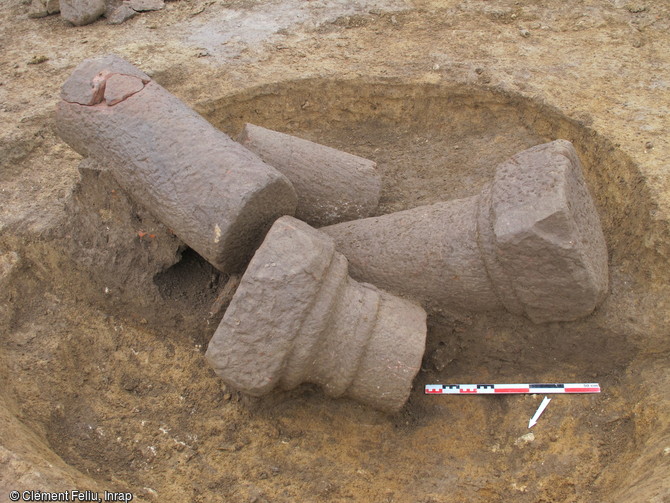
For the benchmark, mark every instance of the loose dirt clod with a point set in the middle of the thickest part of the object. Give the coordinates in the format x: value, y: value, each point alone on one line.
x: 298, y: 317
x: 218, y: 197
x: 531, y: 242
x: 332, y: 186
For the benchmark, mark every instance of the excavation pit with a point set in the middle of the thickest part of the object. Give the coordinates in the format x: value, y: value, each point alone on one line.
x: 120, y: 392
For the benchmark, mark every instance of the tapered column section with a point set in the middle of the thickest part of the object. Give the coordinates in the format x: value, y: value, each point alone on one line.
x: 298, y: 317
x: 218, y: 197
x: 332, y: 186
x: 531, y: 242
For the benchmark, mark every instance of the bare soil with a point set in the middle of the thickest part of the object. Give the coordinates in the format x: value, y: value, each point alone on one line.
x: 105, y: 315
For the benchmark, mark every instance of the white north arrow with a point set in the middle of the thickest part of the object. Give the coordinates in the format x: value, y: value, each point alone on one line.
x: 540, y: 410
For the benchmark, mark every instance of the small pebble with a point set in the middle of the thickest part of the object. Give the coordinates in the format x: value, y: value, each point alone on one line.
x: 525, y: 439
x: 524, y: 33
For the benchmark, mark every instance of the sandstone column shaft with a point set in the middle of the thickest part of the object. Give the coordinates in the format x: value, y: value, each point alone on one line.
x: 429, y: 252
x: 332, y: 186
x: 531, y: 242
x: 218, y: 197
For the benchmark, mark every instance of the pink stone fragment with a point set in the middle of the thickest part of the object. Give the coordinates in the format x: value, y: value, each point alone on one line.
x: 119, y: 87
x: 84, y: 85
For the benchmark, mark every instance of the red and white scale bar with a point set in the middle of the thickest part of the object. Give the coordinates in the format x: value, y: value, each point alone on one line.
x: 501, y: 389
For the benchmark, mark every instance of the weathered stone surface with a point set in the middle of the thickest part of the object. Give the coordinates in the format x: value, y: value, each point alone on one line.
x: 215, y: 195
x: 530, y: 242
x: 81, y: 12
x: 547, y: 234
x: 332, y: 186
x: 298, y: 317
x: 120, y: 87
x: 428, y: 252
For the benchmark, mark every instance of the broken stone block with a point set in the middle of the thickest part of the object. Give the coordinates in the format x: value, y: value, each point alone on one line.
x: 81, y: 12
x: 530, y: 242
x: 121, y: 13
x: 332, y: 186
x: 298, y: 317
x: 215, y: 195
